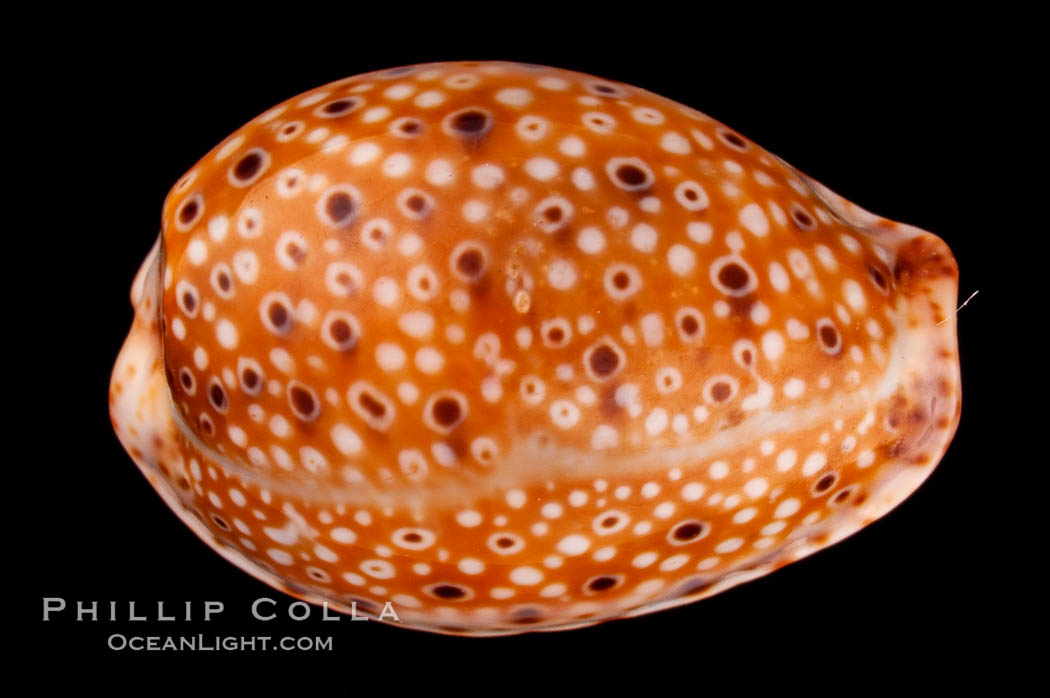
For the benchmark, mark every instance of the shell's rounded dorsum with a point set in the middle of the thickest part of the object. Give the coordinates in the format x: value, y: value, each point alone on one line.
x: 513, y: 347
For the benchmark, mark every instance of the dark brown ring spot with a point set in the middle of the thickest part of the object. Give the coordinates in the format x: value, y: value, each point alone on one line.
x: 527, y: 616
x: 340, y: 331
x: 303, y: 402
x: 247, y: 167
x: 604, y: 360
x: 630, y: 175
x: 733, y: 276
x: 829, y: 336
x: 278, y: 315
x: 189, y: 211
x: 373, y: 406
x: 802, y: 218
x: 446, y: 411
x: 825, y: 482
x: 340, y: 106
x: 295, y: 253
x: 218, y: 396
x: 688, y: 531
x: 734, y: 139
x: 877, y: 277
x: 470, y: 123
x: 448, y: 591
x: 339, y: 207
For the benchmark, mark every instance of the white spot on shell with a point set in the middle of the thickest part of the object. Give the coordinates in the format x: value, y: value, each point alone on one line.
x: 487, y: 176
x: 416, y: 323
x: 542, y: 168
x: 226, y: 333
x: 674, y: 142
x: 346, y: 440
x: 699, y: 232
x: 561, y: 274
x: 789, y: 507
x: 516, y: 499
x: 754, y: 219
x: 363, y: 153
x: 643, y: 237
x: 514, y: 96
x: 526, y: 576
x: 604, y: 437
x: 583, y: 179
x: 386, y: 291
x: 681, y: 259
x: 573, y: 545
x: 572, y: 146
x: 397, y: 165
x: 468, y: 518
x: 591, y: 240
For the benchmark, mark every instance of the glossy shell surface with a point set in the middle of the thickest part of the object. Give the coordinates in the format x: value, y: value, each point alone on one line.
x: 512, y: 347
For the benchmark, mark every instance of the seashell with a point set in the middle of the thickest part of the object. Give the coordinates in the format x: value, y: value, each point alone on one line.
x: 512, y: 347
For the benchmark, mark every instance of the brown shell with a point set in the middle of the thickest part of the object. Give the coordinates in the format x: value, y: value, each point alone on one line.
x: 510, y: 346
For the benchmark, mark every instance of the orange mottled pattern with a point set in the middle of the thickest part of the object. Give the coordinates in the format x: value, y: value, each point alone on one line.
x: 509, y: 347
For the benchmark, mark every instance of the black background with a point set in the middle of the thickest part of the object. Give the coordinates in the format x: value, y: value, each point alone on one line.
x: 901, y: 120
